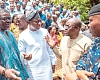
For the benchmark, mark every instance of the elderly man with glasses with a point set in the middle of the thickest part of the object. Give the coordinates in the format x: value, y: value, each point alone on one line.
x: 73, y: 45
x: 9, y: 53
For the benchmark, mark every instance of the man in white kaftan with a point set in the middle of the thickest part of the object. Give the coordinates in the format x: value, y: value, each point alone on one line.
x: 32, y: 41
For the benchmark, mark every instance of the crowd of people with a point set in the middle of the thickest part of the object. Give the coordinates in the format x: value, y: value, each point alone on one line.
x: 44, y: 41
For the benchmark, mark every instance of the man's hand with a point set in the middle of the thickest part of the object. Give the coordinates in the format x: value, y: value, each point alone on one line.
x: 70, y: 76
x: 82, y: 74
x: 27, y: 56
x: 11, y: 74
x: 50, y: 42
x: 53, y: 68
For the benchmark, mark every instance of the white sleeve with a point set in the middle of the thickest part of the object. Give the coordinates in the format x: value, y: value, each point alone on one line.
x: 52, y: 55
x: 22, y: 49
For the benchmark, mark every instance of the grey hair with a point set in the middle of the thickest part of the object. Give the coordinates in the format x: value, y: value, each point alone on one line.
x: 3, y: 11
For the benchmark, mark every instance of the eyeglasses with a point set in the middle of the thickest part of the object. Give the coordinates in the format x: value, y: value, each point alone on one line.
x: 37, y: 21
x: 5, y: 18
x: 67, y: 27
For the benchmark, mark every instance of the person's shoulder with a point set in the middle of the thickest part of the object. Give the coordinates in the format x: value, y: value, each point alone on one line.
x: 86, y: 32
x: 43, y: 29
x: 43, y: 14
x: 85, y: 38
x: 23, y: 35
x: 24, y: 32
x: 10, y: 32
x: 65, y: 39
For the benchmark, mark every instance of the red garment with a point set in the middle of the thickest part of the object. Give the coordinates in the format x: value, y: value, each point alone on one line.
x: 55, y: 38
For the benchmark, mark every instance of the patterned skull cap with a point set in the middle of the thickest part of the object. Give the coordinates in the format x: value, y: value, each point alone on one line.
x: 31, y: 14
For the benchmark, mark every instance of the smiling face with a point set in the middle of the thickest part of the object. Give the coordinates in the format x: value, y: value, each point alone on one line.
x: 53, y: 30
x: 2, y: 4
x: 5, y: 21
x: 94, y: 23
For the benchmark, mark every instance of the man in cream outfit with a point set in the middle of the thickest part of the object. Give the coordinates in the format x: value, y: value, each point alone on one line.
x: 73, y: 46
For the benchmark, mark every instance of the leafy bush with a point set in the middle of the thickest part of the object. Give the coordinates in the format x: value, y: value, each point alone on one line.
x: 82, y: 5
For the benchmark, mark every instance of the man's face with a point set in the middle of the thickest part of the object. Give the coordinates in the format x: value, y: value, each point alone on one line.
x: 48, y: 7
x: 12, y: 7
x: 24, y: 5
x: 49, y: 17
x: 70, y: 29
x: 2, y: 5
x: 36, y: 23
x: 94, y: 23
x: 55, y: 18
x: 18, y: 7
x: 21, y: 22
x: 5, y: 21
x: 33, y: 4
x: 64, y: 12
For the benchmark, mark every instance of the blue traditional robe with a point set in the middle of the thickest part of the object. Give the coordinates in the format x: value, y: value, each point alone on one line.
x: 91, y: 60
x: 10, y: 55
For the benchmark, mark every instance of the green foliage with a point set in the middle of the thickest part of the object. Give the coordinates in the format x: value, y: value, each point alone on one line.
x: 82, y: 5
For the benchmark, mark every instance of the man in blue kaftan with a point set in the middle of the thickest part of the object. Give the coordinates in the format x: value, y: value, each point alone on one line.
x: 9, y: 53
x: 91, y: 60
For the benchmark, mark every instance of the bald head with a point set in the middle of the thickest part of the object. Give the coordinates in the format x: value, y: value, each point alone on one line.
x: 21, y: 21
x: 75, y: 22
x: 21, y: 16
x: 3, y: 11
